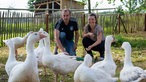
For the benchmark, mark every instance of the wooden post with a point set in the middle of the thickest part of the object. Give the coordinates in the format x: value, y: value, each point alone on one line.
x: 119, y: 23
x: 145, y: 23
x: 83, y: 23
x: 123, y: 25
x: 47, y: 21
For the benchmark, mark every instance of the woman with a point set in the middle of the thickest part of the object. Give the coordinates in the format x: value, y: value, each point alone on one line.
x: 93, y: 37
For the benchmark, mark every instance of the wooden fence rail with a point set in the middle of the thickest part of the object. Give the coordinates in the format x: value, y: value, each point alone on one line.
x: 14, y: 24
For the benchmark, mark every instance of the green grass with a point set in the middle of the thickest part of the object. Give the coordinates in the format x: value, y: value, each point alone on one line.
x: 137, y: 40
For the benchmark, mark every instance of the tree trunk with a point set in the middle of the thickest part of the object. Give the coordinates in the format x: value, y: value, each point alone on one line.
x: 89, y: 6
x: 145, y: 23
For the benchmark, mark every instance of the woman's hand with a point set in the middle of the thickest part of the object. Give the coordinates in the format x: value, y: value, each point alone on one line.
x: 89, y: 48
x: 91, y: 35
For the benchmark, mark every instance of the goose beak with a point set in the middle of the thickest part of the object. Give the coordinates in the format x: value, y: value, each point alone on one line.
x: 4, y: 41
x: 121, y: 48
x: 114, y: 39
x: 42, y: 35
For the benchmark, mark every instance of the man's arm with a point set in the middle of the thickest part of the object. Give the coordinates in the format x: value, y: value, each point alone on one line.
x: 76, y: 39
x: 58, y: 42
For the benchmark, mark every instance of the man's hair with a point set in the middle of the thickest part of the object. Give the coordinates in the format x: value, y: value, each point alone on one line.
x: 66, y: 10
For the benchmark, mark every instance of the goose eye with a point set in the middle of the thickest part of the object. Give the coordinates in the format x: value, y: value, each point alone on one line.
x: 36, y: 34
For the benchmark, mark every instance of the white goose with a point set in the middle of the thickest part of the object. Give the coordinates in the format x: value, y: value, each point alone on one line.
x: 108, y: 65
x: 28, y: 70
x: 11, y: 62
x: 130, y: 73
x: 59, y: 64
x: 39, y: 50
x: 85, y: 74
x: 20, y: 41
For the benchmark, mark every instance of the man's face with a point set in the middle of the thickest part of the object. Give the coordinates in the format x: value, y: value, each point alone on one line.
x: 66, y: 16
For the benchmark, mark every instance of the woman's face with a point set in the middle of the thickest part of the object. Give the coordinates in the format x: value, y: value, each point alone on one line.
x: 91, y: 21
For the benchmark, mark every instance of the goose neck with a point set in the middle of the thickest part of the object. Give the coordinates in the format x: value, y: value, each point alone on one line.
x: 108, y: 54
x: 47, y: 43
x: 30, y: 59
x: 41, y: 43
x: 12, y: 53
x: 127, y: 59
x: 25, y: 37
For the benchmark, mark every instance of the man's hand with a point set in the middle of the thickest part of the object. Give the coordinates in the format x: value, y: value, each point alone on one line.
x: 75, y: 46
x: 66, y: 53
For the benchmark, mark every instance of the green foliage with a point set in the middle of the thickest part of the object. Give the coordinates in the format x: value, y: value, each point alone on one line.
x: 119, y: 40
x: 120, y: 10
x: 133, y: 6
x: 30, y: 4
x: 138, y: 43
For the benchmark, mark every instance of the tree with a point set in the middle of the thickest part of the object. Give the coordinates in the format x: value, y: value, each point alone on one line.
x: 133, y: 6
x: 30, y: 4
x: 89, y: 5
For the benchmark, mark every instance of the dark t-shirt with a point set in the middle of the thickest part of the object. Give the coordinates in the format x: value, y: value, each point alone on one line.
x: 68, y: 29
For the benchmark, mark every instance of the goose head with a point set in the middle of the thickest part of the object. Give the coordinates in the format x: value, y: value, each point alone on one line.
x: 41, y: 30
x: 88, y: 60
x: 28, y: 34
x: 126, y: 46
x: 46, y: 39
x: 8, y: 42
x: 110, y: 38
x: 36, y: 36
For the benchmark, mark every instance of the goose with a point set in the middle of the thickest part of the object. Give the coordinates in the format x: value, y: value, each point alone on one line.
x: 85, y: 74
x: 39, y: 50
x: 108, y: 64
x: 28, y: 70
x: 11, y: 61
x: 20, y: 41
x: 129, y: 72
x: 59, y: 64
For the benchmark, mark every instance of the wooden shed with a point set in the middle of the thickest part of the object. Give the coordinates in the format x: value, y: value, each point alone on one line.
x: 54, y: 5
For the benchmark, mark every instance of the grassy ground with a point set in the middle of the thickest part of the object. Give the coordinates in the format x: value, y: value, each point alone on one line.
x: 137, y: 40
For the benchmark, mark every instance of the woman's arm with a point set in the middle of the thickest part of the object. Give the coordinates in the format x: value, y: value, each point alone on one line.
x: 99, y: 39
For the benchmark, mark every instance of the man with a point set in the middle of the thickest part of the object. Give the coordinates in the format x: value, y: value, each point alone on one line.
x: 65, y: 29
